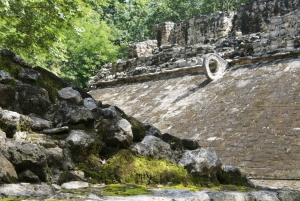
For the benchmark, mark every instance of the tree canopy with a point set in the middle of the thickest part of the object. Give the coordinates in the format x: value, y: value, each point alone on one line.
x: 74, y: 38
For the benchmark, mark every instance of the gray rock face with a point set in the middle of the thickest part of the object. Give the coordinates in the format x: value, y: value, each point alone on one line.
x: 40, y: 124
x: 90, y: 103
x: 8, y: 173
x: 11, y: 122
x: 28, y: 157
x: 200, y: 161
x: 153, y: 146
x: 68, y: 114
x: 7, y: 94
x: 33, y: 99
x: 26, y: 190
x: 5, y: 77
x: 28, y: 74
x: 116, y: 132
x: 56, y: 130
x: 70, y: 95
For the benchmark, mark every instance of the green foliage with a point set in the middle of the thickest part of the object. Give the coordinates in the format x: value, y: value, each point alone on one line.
x: 87, y: 51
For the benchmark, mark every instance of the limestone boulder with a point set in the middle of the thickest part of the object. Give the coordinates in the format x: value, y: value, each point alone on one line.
x: 109, y: 112
x: 138, y: 129
x: 11, y: 122
x: 200, y: 161
x: 75, y: 185
x: 7, y: 94
x: 5, y: 77
x: 155, y: 147
x: 116, y: 132
x: 32, y: 99
x: 70, y: 95
x: 91, y: 103
x: 27, y: 156
x: 8, y: 173
x: 82, y: 144
x: 70, y: 114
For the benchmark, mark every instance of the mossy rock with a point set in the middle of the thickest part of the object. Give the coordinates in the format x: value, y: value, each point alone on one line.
x: 124, y: 167
x: 10, y: 66
x: 232, y: 177
x: 50, y: 82
x: 124, y: 190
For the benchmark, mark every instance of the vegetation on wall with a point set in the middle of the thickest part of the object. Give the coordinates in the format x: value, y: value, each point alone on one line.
x: 74, y: 38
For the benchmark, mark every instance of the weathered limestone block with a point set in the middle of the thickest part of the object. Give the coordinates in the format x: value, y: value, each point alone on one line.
x: 200, y: 161
x: 144, y: 48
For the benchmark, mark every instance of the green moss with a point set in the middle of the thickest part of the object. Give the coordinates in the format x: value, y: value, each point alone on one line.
x: 124, y: 190
x: 9, y: 66
x: 124, y: 168
x: 232, y: 178
x: 50, y: 82
x: 11, y: 199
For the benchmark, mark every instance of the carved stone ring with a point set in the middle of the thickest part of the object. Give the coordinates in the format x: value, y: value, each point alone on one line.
x: 218, y: 65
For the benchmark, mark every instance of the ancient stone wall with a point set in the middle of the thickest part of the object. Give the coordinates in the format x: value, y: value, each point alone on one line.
x: 259, y: 29
x: 202, y: 29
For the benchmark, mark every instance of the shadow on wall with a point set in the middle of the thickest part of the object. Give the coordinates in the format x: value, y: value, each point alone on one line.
x: 192, y: 91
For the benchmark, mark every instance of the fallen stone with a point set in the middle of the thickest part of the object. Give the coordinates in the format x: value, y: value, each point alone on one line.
x: 70, y: 95
x: 63, y: 129
x: 28, y: 177
x: 75, y: 185
x: 200, y: 161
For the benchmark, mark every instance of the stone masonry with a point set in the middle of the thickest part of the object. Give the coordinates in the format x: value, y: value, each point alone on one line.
x: 251, y: 115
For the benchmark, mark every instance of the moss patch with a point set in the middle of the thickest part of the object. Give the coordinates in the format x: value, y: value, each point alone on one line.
x: 50, y: 82
x: 124, y: 190
x: 124, y: 167
x: 9, y: 66
x: 11, y: 199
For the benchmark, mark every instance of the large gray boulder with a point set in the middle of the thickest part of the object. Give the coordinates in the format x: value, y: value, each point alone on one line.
x: 33, y: 99
x: 200, y: 161
x: 55, y: 156
x: 116, y: 132
x: 11, y: 122
x: 27, y: 157
x: 155, y: 147
x: 8, y: 173
x: 70, y: 95
x: 91, y: 103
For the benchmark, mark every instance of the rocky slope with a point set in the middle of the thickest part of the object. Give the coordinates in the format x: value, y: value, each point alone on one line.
x: 250, y: 116
x: 51, y: 134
